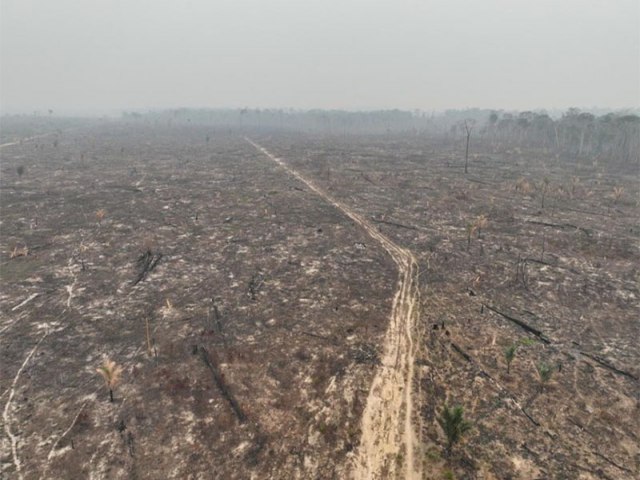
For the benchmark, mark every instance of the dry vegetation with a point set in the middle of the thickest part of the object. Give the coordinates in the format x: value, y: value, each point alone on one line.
x: 247, y: 314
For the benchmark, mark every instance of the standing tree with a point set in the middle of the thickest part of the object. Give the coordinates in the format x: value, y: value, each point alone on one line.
x: 575, y: 183
x: 471, y: 228
x: 454, y: 425
x: 110, y: 372
x: 509, y: 355
x: 468, y: 127
x: 545, y: 187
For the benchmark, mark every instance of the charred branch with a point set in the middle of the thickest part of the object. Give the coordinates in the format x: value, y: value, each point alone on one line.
x: 146, y: 263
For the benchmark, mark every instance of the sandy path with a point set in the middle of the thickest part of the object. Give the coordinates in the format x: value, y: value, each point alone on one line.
x: 388, y: 438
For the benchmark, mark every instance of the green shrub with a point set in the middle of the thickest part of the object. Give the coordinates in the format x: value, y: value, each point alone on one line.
x: 453, y: 424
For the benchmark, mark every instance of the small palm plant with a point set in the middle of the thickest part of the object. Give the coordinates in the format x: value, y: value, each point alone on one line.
x: 509, y: 355
x: 523, y: 186
x: 471, y: 228
x: 545, y: 373
x: 617, y: 193
x: 110, y: 372
x: 481, y: 222
x: 100, y: 214
x: 454, y: 425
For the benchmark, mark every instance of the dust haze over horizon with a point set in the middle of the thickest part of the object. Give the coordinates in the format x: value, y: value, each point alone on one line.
x: 105, y: 56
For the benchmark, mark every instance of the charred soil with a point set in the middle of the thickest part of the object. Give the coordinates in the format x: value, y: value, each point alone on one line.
x: 251, y: 316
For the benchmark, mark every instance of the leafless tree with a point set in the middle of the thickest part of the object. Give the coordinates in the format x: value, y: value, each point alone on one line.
x: 468, y: 127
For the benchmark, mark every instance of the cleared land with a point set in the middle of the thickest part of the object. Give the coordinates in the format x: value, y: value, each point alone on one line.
x: 559, y: 281
x: 250, y: 314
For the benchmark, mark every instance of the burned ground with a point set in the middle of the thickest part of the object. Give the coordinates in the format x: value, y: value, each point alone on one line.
x: 266, y: 307
x: 285, y: 298
x: 560, y: 281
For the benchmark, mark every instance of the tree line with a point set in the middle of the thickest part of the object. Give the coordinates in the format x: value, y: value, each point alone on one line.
x: 614, y: 135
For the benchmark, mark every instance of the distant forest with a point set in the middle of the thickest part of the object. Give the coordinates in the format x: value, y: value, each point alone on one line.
x: 614, y: 136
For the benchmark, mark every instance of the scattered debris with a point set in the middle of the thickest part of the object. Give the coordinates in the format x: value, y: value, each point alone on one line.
x: 146, y: 263
x: 365, y: 353
x: 256, y: 282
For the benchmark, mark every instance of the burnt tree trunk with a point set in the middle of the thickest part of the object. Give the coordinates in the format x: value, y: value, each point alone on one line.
x: 468, y: 129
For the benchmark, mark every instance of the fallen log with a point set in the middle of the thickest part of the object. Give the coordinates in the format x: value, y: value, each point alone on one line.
x: 366, y: 177
x: 588, y: 212
x: 560, y: 226
x: 315, y: 335
x: 531, y: 419
x: 394, y: 224
x: 475, y: 180
x: 462, y: 353
x: 617, y: 465
x: 521, y: 324
x: 218, y: 377
x: 597, y: 473
x: 608, y: 366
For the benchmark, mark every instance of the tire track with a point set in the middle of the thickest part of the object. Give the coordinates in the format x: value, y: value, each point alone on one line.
x: 388, y: 437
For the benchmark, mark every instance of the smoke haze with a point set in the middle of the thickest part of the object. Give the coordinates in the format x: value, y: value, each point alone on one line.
x: 106, y: 55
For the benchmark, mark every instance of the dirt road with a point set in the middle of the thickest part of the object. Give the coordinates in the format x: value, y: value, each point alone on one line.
x: 388, y: 438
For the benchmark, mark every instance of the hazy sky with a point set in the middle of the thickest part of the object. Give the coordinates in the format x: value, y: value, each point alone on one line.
x: 351, y: 54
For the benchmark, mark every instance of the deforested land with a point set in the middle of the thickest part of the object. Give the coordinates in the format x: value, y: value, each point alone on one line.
x: 276, y: 294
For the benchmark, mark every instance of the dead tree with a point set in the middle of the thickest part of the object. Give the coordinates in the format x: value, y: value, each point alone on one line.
x: 468, y: 127
x: 545, y: 188
x: 521, y: 271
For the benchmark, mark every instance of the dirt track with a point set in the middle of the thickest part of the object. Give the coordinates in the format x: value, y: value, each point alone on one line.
x: 387, y: 442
